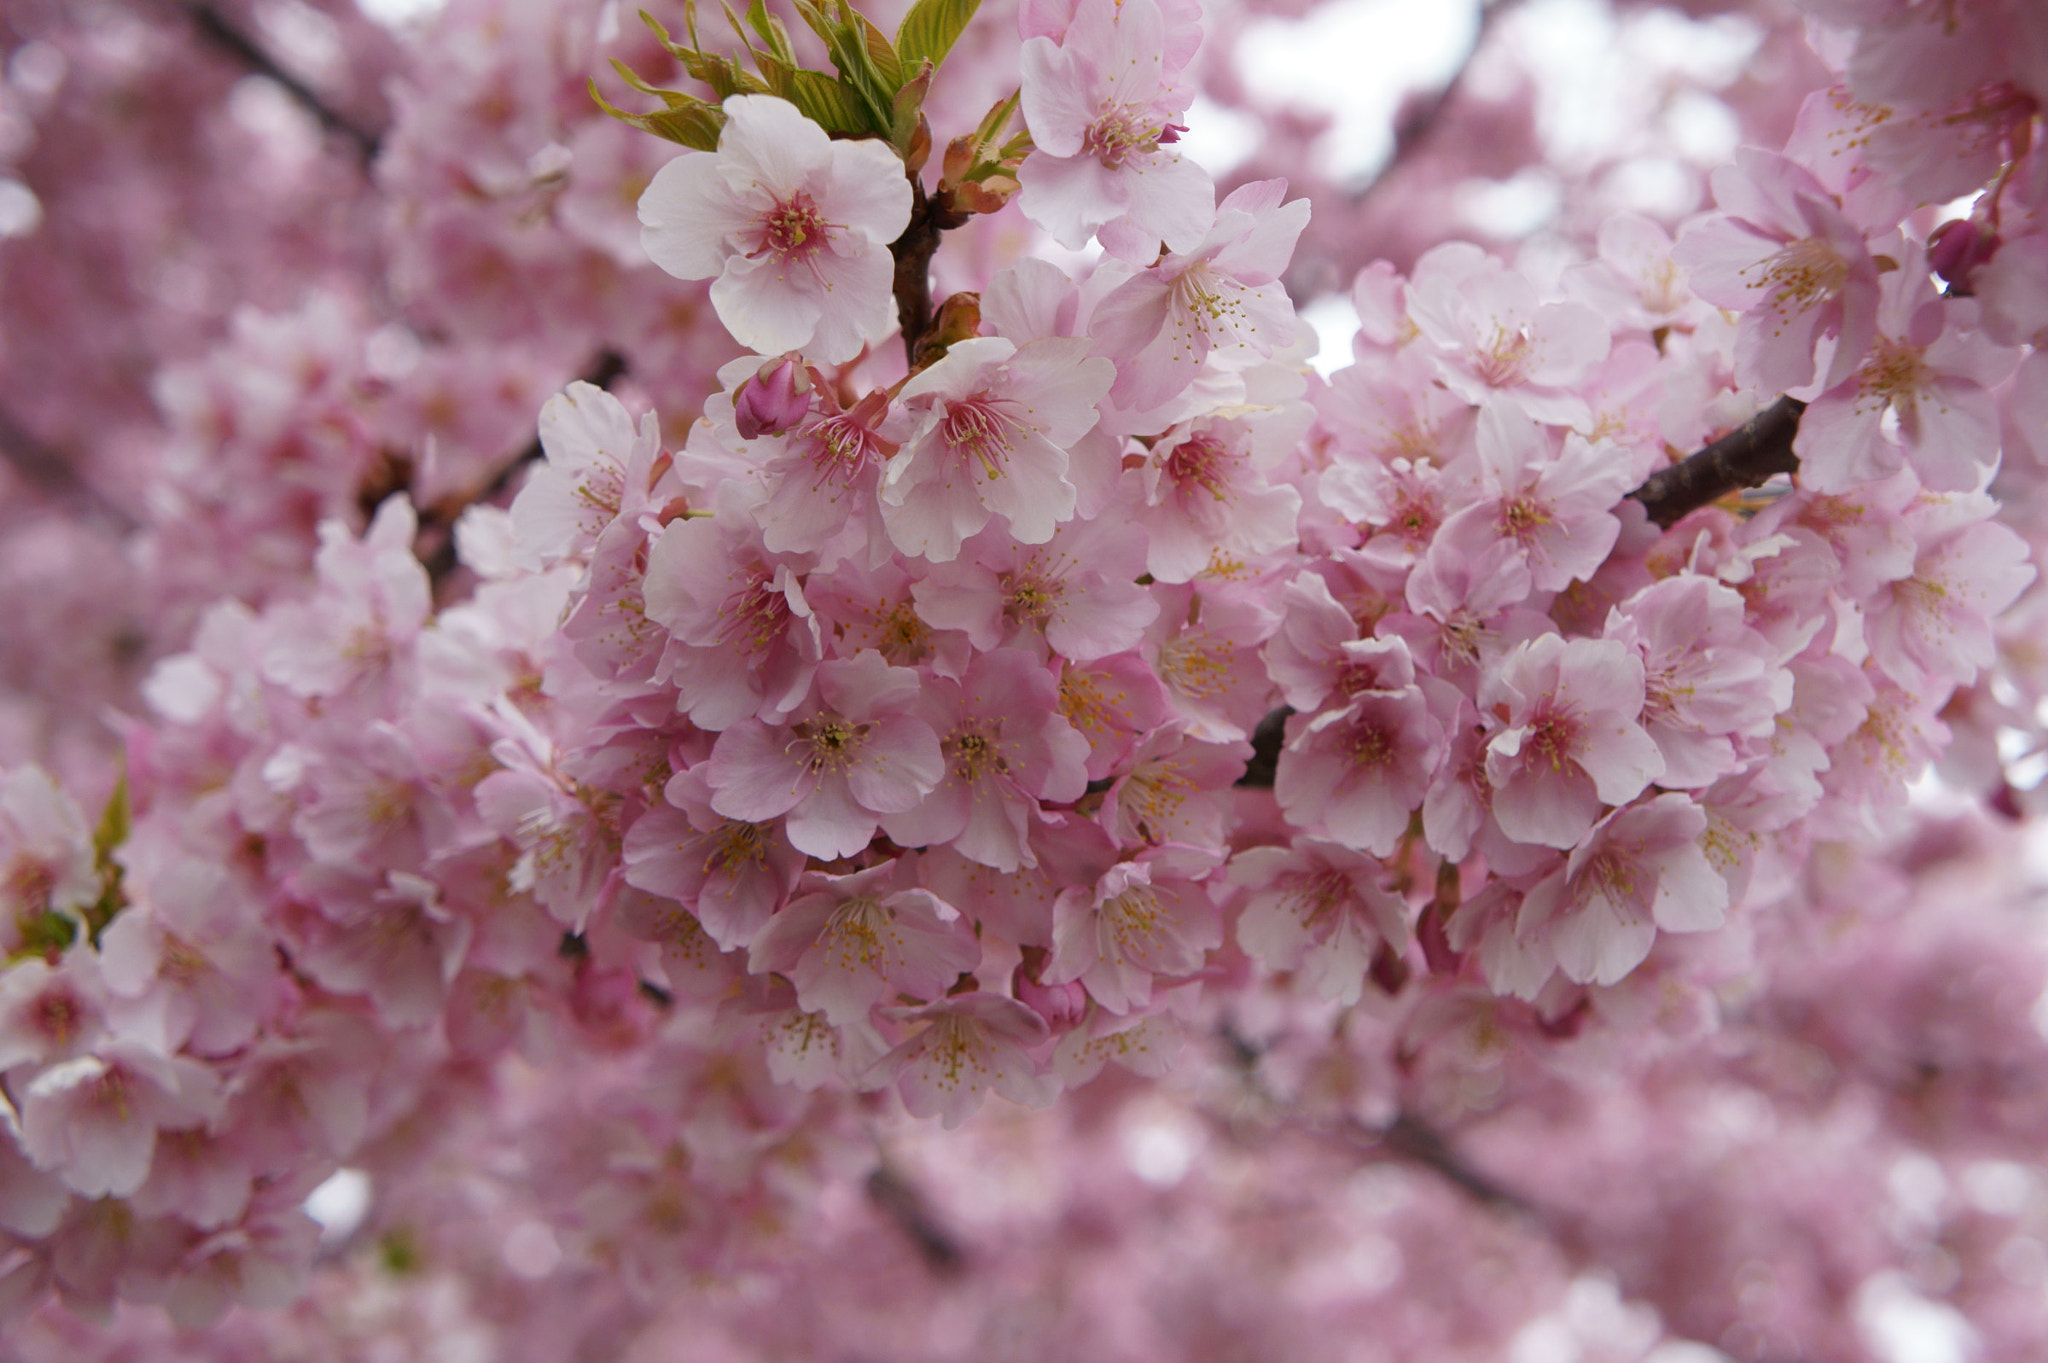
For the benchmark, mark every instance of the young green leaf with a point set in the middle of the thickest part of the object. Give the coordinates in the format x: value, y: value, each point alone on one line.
x: 932, y: 27
x: 688, y: 121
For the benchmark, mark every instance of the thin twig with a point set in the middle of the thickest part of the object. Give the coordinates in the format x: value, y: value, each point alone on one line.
x: 1419, y: 122
x: 437, y: 522
x: 906, y: 1206
x: 219, y: 30
x: 1420, y: 1144
x: 53, y: 471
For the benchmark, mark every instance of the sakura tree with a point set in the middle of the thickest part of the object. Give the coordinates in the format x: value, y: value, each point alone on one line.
x: 929, y: 681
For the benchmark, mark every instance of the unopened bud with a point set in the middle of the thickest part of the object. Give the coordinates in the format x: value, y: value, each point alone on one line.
x: 1061, y: 1005
x: 773, y: 400
x: 1957, y: 249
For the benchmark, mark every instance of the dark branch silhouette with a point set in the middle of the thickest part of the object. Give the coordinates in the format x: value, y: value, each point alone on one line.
x: 222, y: 33
x: 1418, y: 121
x: 437, y: 522
x: 931, y: 216
x: 1745, y: 457
x: 1411, y: 1140
x: 53, y: 471
x: 906, y: 1206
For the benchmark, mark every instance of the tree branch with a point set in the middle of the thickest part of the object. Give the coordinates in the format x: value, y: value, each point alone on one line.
x: 930, y: 217
x: 1411, y: 1140
x: 1415, y: 124
x: 53, y: 471
x: 223, y: 34
x: 437, y: 522
x: 1744, y: 457
x: 906, y: 1206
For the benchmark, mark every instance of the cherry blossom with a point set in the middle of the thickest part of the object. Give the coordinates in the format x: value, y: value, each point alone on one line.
x: 792, y: 228
x: 1571, y: 739
x: 850, y: 755
x: 1104, y: 113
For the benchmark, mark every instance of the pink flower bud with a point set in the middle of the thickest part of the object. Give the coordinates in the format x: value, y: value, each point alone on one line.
x: 1061, y: 1005
x: 1957, y: 249
x: 773, y: 400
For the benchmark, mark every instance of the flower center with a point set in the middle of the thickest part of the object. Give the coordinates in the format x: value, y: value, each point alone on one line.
x: 1209, y: 298
x: 1895, y: 372
x: 974, y: 753
x: 840, y: 448
x: 1553, y: 738
x: 1504, y: 359
x: 1030, y: 597
x: 736, y: 846
x: 978, y: 428
x: 833, y: 743
x: 794, y: 229
x: 755, y: 616
x: 1805, y: 273
x: 854, y: 933
x: 1118, y: 134
x: 1202, y: 463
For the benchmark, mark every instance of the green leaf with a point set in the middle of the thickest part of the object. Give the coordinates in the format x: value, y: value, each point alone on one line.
x: 114, y: 824
x: 881, y: 53
x: 772, y: 32
x: 44, y: 935
x: 932, y: 27
x: 674, y: 48
x: 106, y: 840
x: 908, y: 104
x: 828, y: 102
x: 851, y: 57
x: 688, y: 120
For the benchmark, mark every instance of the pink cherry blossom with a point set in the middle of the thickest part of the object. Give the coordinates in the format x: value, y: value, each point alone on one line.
x: 1319, y: 908
x: 1931, y: 380
x: 92, y: 1120
x: 1103, y: 112
x: 1492, y: 339
x: 1641, y: 869
x: 1143, y: 918
x: 590, y: 441
x: 1219, y: 302
x: 1571, y: 740
x: 1209, y: 499
x: 793, y: 229
x: 1006, y: 747
x: 965, y: 1048
x: 1781, y: 252
x: 1555, y: 506
x: 1709, y: 680
x: 851, y: 754
x: 849, y: 942
x: 983, y: 433
x: 733, y: 874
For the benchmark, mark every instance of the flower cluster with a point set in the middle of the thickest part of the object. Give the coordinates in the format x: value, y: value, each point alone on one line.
x: 908, y: 730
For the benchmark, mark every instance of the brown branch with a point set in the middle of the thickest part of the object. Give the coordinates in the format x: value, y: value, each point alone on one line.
x: 1744, y: 457
x: 222, y: 33
x: 906, y: 1206
x: 1411, y: 1140
x: 53, y: 471
x: 930, y: 217
x: 1415, y: 124
x: 437, y: 522
x: 1266, y: 741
